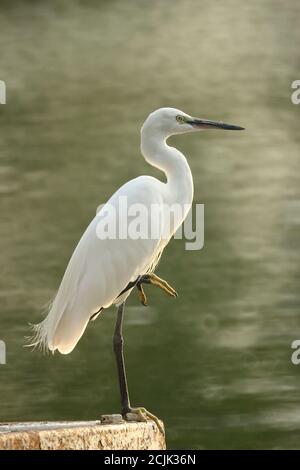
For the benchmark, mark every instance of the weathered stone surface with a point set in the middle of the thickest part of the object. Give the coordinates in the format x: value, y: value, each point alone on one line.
x: 81, y: 435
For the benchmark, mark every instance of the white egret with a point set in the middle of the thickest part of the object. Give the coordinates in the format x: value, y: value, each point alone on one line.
x: 103, y: 271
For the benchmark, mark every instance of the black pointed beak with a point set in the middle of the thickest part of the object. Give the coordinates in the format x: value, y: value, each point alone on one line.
x: 206, y: 124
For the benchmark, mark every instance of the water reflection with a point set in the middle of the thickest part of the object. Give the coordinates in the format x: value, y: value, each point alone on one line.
x: 215, y: 363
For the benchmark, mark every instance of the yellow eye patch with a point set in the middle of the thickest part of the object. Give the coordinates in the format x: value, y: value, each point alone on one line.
x: 180, y: 119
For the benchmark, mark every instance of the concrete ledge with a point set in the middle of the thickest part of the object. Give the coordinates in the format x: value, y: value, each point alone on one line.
x: 81, y: 435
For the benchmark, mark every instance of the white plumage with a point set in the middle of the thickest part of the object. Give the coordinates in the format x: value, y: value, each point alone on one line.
x: 100, y: 269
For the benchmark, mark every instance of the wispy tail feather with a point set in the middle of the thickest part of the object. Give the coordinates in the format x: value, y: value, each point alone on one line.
x: 43, y: 332
x: 38, y: 339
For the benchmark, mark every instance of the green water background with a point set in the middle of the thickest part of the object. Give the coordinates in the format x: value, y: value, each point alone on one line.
x: 81, y: 77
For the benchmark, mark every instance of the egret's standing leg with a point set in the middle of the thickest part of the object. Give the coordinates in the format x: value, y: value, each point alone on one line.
x: 118, y: 343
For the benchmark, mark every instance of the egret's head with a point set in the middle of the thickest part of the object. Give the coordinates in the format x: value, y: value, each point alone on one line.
x: 170, y: 121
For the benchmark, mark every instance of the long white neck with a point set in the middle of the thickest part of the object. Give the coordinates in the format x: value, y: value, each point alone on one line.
x: 180, y: 187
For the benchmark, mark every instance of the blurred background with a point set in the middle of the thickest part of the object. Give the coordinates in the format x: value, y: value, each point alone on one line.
x: 81, y: 77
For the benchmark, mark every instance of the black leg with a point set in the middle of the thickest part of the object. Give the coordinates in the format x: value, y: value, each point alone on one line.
x: 118, y: 343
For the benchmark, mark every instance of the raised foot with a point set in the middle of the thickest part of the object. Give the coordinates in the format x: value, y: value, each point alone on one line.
x: 155, y: 281
x: 142, y: 295
x: 141, y: 414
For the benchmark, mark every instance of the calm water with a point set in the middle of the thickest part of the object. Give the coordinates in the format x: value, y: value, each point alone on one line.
x: 215, y: 363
